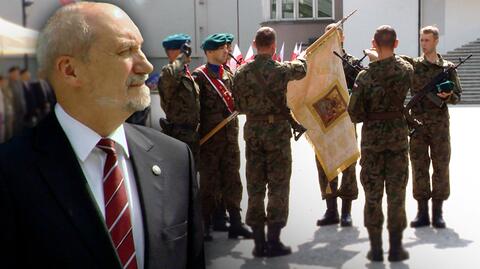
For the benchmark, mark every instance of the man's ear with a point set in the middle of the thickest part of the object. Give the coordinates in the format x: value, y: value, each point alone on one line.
x: 395, y: 44
x: 67, y: 69
x: 254, y: 44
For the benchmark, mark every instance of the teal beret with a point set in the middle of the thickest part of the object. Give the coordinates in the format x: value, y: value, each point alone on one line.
x: 175, y: 41
x: 229, y: 37
x: 212, y: 42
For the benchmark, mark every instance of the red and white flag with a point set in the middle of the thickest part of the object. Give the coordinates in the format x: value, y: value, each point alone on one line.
x: 282, y: 51
x: 294, y: 54
x: 296, y: 51
x: 66, y: 2
x: 237, y: 54
x: 278, y: 56
x: 249, y: 56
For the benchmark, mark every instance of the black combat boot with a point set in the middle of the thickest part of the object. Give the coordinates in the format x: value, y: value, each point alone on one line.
x: 396, y: 252
x: 437, y: 215
x: 219, y: 219
x: 375, y: 253
x: 331, y: 215
x: 207, y: 236
x: 260, y: 249
x: 346, y: 218
x: 274, y: 246
x: 237, y: 228
x: 422, y: 219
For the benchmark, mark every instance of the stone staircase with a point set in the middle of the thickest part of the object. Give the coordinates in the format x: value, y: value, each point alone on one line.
x: 469, y: 72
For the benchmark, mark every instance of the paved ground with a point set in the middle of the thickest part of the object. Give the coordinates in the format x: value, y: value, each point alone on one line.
x: 334, y: 247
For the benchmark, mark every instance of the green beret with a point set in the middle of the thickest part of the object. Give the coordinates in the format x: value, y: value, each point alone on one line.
x: 229, y: 37
x: 213, y: 42
x: 175, y: 41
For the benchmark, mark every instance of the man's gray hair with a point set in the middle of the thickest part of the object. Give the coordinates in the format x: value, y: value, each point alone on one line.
x: 66, y: 33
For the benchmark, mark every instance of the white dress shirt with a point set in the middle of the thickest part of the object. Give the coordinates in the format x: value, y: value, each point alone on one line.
x: 92, y: 160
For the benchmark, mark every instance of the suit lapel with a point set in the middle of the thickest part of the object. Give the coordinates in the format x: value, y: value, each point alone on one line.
x: 150, y: 187
x: 62, y: 172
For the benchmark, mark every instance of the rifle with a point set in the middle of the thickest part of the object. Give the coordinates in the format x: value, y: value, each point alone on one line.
x: 357, y: 66
x: 233, y: 57
x: 430, y: 91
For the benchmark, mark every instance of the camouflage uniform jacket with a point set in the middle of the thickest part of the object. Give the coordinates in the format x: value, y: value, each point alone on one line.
x: 179, y: 94
x: 251, y: 97
x: 424, y: 72
x: 213, y: 109
x: 382, y: 88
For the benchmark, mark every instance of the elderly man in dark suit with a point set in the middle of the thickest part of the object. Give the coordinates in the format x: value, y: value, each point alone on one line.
x: 83, y: 189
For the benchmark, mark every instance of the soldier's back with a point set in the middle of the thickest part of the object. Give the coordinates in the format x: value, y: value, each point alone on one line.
x: 385, y: 86
x: 260, y: 89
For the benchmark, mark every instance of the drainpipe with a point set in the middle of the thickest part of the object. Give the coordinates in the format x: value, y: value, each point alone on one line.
x: 238, y: 23
x: 419, y: 26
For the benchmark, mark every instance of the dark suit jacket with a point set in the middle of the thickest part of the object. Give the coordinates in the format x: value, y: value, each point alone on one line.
x: 49, y: 218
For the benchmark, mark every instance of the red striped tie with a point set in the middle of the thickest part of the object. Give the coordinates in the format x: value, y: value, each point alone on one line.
x: 117, y: 212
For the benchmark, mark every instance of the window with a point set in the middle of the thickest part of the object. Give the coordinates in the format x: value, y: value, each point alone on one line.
x: 324, y: 8
x: 300, y: 9
x: 273, y: 9
x: 305, y: 8
x: 287, y: 9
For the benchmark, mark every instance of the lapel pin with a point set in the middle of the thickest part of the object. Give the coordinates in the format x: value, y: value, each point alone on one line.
x: 156, y: 170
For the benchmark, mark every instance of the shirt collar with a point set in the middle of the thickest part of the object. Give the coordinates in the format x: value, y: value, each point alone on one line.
x: 439, y: 61
x: 84, y: 139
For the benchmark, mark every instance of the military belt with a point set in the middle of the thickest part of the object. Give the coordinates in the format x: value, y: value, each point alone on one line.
x: 270, y: 118
x: 387, y: 115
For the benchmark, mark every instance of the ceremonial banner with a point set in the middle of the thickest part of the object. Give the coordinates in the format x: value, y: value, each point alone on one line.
x: 16, y: 40
x: 319, y: 102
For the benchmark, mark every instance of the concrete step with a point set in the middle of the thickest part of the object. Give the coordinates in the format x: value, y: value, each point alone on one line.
x: 470, y: 79
x: 462, y: 54
x: 468, y: 66
x: 467, y: 72
x: 471, y: 45
x: 469, y: 75
x: 474, y: 71
x: 455, y: 56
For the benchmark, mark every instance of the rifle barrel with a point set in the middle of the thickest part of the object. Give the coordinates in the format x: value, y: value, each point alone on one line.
x: 233, y: 57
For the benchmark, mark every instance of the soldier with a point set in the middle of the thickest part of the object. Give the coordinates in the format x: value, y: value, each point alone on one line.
x: 377, y: 101
x: 348, y: 190
x: 220, y: 155
x: 434, y: 135
x: 180, y: 94
x: 260, y: 92
x: 219, y: 216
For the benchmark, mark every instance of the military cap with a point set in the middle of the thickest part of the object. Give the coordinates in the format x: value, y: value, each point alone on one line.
x: 175, y: 41
x: 229, y: 37
x: 212, y: 42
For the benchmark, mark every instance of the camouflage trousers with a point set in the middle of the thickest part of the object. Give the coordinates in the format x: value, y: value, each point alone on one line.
x: 436, y: 138
x: 219, y: 174
x: 269, y: 165
x: 386, y: 170
x: 348, y: 188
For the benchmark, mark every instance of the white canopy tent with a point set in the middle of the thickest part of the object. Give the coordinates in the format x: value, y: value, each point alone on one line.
x: 16, y: 40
